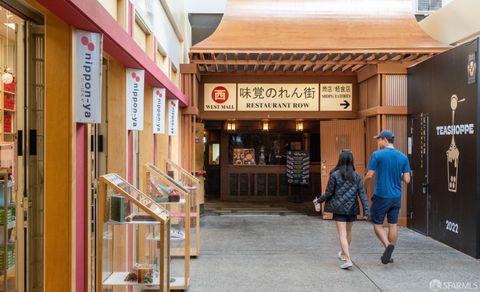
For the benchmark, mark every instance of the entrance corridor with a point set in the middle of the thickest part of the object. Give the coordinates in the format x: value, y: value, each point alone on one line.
x: 291, y: 251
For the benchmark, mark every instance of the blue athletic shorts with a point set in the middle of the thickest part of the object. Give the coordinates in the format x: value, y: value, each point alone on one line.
x: 382, y: 207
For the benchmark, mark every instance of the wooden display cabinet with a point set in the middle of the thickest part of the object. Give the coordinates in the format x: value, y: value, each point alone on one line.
x: 191, y: 183
x: 7, y: 111
x: 124, y: 210
x: 176, y: 199
x: 8, y: 248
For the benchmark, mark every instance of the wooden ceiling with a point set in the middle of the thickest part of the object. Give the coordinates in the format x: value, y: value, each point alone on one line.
x: 313, y: 36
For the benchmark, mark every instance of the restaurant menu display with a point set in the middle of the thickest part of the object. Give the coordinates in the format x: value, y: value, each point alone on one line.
x: 244, y: 156
x: 298, y: 167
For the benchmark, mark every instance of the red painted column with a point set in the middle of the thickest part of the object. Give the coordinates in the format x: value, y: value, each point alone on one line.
x: 81, y: 210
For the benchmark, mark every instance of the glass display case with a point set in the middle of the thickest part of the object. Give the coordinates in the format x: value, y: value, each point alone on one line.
x: 176, y: 199
x: 191, y: 183
x: 7, y: 233
x: 134, y: 238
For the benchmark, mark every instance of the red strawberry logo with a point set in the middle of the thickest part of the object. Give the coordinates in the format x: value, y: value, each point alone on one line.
x: 86, y: 42
x: 135, y: 76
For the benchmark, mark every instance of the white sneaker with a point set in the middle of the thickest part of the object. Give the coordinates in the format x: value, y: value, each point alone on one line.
x: 340, y: 256
x: 346, y: 265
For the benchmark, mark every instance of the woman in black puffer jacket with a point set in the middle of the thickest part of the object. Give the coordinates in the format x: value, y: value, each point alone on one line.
x: 344, y: 185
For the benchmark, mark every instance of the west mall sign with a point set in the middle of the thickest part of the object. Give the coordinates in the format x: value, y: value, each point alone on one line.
x: 296, y: 97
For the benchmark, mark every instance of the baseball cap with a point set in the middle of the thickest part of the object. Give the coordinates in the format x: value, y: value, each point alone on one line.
x: 387, y: 134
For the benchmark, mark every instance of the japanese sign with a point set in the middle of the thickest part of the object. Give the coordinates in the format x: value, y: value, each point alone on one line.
x: 277, y: 97
x: 159, y: 110
x: 336, y: 97
x: 88, y: 81
x: 135, y: 79
x: 220, y: 97
x: 172, y: 117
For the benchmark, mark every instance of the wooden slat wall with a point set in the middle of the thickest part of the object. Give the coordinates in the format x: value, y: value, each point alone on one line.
x: 385, y: 89
x: 373, y: 92
x: 396, y: 90
x: 372, y: 129
x: 338, y: 135
x: 189, y: 85
x: 363, y: 94
x: 398, y: 124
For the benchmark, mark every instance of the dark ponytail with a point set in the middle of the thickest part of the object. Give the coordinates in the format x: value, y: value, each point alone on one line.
x: 345, y: 166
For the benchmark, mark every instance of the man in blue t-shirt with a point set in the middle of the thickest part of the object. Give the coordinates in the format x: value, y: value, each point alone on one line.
x: 391, y: 168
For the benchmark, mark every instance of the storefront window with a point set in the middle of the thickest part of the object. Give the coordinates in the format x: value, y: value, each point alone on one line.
x: 262, y: 148
x: 214, y: 154
x: 9, y: 27
x: 8, y: 74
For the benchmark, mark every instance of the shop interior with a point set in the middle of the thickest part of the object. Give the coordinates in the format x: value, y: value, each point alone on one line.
x: 261, y: 146
x: 21, y: 153
x: 9, y: 24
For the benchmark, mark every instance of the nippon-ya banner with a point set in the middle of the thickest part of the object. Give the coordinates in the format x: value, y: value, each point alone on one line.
x: 88, y: 80
x: 159, y: 99
x: 135, y: 99
x: 172, y: 117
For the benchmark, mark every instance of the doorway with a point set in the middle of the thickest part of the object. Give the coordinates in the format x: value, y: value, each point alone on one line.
x: 22, y: 127
x: 98, y: 167
x: 338, y: 135
x: 212, y: 165
x: 418, y: 192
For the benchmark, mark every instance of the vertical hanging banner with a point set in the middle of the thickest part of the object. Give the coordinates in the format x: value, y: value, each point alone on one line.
x: 135, y: 83
x: 88, y: 80
x: 172, y: 117
x: 159, y: 110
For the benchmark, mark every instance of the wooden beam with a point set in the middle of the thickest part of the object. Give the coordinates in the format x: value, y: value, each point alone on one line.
x: 384, y: 57
x: 290, y: 61
x: 326, y: 67
x: 270, y: 56
x: 422, y: 58
x: 356, y: 67
x: 302, y: 60
x: 336, y: 67
x: 270, y: 72
x: 288, y: 66
x: 257, y: 62
x: 371, y: 57
x: 346, y: 67
x: 235, y: 67
x: 215, y: 59
x: 307, y: 66
x: 277, y: 63
x: 383, y: 110
x: 409, y: 58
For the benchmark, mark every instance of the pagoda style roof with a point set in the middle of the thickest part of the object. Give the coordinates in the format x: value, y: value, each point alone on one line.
x: 313, y: 36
